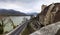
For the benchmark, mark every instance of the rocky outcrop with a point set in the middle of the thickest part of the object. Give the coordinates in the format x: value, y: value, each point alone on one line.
x: 48, y: 15
x: 43, y: 7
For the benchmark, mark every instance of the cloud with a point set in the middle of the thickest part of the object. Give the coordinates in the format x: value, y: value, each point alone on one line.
x: 25, y: 5
x: 20, y: 5
x: 23, y: 1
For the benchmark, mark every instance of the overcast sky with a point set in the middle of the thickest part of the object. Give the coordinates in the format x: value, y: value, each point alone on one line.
x: 25, y: 5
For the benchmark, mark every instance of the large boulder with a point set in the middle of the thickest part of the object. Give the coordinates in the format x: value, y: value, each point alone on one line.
x: 53, y: 29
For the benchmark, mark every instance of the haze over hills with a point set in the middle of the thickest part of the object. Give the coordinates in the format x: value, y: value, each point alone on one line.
x: 32, y: 13
x: 11, y: 12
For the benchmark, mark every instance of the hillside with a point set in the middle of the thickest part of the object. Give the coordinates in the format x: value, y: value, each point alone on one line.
x: 11, y: 12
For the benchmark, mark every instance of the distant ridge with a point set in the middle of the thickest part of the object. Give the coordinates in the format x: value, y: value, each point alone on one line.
x: 11, y: 12
x: 34, y: 13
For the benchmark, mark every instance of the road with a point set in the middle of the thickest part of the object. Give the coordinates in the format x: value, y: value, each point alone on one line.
x: 19, y: 29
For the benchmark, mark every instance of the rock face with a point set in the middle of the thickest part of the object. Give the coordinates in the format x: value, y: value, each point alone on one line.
x: 53, y: 29
x: 43, y: 7
x: 49, y: 14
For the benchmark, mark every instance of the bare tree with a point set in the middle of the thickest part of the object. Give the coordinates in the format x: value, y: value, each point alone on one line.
x: 3, y: 24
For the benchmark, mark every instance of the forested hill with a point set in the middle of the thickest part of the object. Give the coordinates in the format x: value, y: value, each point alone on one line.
x: 11, y: 12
